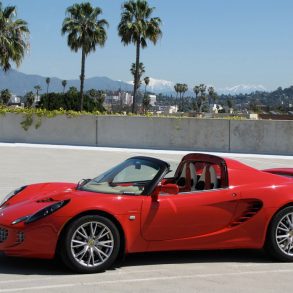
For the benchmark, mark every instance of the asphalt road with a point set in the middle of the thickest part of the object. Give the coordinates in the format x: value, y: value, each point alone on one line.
x: 201, y: 271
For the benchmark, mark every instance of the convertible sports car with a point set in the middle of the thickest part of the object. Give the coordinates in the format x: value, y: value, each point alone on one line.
x: 210, y: 203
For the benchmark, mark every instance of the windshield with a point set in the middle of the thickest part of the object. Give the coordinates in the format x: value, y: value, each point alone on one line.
x: 131, y: 177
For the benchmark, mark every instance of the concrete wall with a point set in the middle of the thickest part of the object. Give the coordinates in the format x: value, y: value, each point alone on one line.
x: 58, y: 130
x: 246, y: 136
x: 166, y: 133
x: 262, y: 136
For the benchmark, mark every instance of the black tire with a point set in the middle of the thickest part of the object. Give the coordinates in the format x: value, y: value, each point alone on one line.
x: 272, y: 247
x: 67, y: 253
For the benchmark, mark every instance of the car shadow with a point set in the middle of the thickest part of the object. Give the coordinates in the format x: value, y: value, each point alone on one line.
x: 211, y: 256
x: 20, y: 266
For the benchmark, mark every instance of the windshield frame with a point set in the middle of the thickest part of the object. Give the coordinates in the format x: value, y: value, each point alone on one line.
x: 163, y: 169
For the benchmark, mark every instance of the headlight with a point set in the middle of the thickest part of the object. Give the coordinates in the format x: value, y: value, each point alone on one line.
x: 11, y: 194
x: 46, y: 211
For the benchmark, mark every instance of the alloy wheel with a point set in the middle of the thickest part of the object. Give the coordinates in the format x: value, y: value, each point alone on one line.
x: 92, y: 244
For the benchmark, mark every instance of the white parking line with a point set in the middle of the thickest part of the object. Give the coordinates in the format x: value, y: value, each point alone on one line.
x: 167, y: 278
x: 146, y: 151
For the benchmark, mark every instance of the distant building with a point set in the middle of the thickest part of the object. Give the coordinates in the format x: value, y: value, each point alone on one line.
x: 167, y: 109
x: 153, y: 100
x: 126, y: 98
x: 123, y: 98
x: 14, y: 100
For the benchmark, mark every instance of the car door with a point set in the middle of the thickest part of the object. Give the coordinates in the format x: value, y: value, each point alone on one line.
x: 187, y: 214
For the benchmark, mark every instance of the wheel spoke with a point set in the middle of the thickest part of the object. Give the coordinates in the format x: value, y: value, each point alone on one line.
x: 108, y: 243
x: 81, y: 234
x: 78, y: 243
x: 289, y: 220
x: 82, y: 253
x: 283, y: 229
x: 283, y: 236
x: 103, y: 233
x: 101, y: 253
x: 284, y: 225
x: 283, y: 240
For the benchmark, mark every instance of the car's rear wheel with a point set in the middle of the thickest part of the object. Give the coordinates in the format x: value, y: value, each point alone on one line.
x: 90, y: 244
x: 280, y: 235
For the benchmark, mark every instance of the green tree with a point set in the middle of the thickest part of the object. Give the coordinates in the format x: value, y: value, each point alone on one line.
x: 48, y: 80
x: 141, y: 71
x: 85, y: 31
x: 38, y: 89
x: 14, y: 34
x: 64, y: 84
x: 202, y: 96
x: 230, y: 103
x: 29, y: 99
x: 5, y: 96
x: 137, y: 27
x: 146, y: 103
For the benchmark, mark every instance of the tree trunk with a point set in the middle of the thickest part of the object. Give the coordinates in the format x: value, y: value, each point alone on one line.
x: 136, y: 77
x: 82, y: 78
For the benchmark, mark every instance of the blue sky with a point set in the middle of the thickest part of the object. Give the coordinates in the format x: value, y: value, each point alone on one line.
x: 218, y: 42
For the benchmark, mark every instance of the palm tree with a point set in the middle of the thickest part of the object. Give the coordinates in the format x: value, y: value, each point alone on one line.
x: 48, y: 80
x: 196, y: 90
x: 146, y: 83
x: 141, y: 71
x: 5, y: 96
x: 202, y: 96
x: 29, y: 99
x: 85, y: 31
x: 14, y: 35
x: 212, y: 94
x: 64, y: 84
x: 181, y: 88
x: 38, y: 89
x: 137, y: 27
x: 146, y: 103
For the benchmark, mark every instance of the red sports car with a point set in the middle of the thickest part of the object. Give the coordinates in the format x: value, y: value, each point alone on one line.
x: 209, y: 203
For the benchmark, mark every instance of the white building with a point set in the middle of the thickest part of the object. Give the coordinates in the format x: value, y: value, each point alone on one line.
x: 153, y: 100
x: 127, y: 98
x: 14, y: 100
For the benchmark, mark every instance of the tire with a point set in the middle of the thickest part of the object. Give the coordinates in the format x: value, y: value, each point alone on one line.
x: 279, y: 242
x: 90, y: 244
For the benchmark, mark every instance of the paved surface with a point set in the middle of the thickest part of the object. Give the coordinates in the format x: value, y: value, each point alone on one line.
x: 208, y: 271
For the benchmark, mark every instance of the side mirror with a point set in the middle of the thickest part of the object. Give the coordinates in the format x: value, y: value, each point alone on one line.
x: 167, y: 188
x: 170, y: 188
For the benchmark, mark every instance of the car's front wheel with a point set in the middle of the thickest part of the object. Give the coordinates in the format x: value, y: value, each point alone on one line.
x: 90, y: 244
x: 280, y: 235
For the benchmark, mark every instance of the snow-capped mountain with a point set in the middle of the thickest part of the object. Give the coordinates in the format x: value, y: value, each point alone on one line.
x: 242, y: 89
x: 159, y: 85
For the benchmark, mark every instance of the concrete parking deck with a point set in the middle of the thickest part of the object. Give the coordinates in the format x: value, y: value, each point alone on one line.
x: 201, y: 271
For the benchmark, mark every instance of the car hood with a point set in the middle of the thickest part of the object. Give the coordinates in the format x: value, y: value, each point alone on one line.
x: 44, y: 192
x: 34, y: 198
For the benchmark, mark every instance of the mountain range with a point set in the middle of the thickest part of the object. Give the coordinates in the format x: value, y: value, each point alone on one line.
x: 20, y: 83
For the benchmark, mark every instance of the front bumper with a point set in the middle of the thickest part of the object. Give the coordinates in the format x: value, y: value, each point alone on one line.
x: 36, y: 240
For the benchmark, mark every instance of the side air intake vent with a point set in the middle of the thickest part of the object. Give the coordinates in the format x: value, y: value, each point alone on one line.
x: 248, y: 209
x: 49, y: 199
